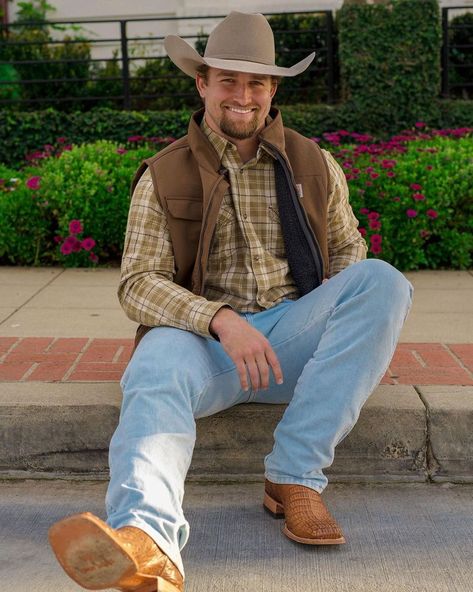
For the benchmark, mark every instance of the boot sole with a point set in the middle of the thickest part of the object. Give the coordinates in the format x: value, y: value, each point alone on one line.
x: 277, y: 511
x: 91, y: 554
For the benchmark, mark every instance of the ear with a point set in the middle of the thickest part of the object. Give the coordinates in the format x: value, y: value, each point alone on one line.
x: 274, y: 88
x: 200, y: 85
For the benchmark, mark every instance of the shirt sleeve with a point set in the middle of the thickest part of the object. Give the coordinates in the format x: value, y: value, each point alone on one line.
x: 345, y: 243
x: 147, y: 292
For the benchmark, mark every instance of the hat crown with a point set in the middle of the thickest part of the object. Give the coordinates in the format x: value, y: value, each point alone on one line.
x: 242, y: 36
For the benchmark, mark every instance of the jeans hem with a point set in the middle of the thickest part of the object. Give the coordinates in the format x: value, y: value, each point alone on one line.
x: 295, y: 481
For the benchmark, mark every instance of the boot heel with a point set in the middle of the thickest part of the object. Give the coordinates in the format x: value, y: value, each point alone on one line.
x: 274, y: 507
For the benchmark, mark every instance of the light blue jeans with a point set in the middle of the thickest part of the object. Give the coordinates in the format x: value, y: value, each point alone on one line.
x: 334, y: 345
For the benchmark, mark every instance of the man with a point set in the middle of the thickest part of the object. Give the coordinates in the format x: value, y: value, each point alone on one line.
x: 244, y: 266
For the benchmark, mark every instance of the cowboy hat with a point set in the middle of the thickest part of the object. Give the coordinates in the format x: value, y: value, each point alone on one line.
x: 240, y: 43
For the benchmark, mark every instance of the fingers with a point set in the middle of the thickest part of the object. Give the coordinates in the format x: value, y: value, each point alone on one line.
x: 275, y: 366
x: 258, y: 368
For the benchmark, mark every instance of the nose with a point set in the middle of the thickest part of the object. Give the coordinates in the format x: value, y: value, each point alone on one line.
x: 243, y: 94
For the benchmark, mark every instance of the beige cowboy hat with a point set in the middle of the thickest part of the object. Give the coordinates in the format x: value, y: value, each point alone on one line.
x: 240, y: 43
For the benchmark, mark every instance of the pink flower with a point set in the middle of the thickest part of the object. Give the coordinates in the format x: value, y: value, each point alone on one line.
x: 373, y: 216
x: 75, y: 227
x: 396, y: 198
x: 33, y: 183
x: 364, y: 211
x: 429, y: 167
x: 376, y: 239
x: 88, y: 243
x: 388, y: 163
x: 369, y: 169
x: 376, y: 249
x: 416, y: 186
x: 390, y: 174
x: 61, y: 140
x: 424, y: 233
x: 420, y: 124
x: 369, y: 183
x: 375, y: 224
x: 419, y: 196
x: 135, y: 138
x: 411, y: 213
x: 121, y: 151
x: 432, y: 214
x: 374, y: 175
x: 66, y: 248
x: 362, y: 231
x: 58, y: 239
x: 93, y: 257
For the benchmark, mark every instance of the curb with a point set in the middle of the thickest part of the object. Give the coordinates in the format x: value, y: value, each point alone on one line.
x: 404, y: 433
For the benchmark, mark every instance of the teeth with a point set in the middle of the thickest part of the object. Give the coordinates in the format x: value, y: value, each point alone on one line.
x: 240, y: 110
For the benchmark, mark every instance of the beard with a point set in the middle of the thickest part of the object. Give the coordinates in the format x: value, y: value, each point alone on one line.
x: 239, y: 130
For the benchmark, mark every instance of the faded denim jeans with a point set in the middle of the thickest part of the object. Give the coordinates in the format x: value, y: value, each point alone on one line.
x: 334, y: 346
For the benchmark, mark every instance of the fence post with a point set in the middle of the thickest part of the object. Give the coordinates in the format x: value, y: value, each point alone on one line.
x: 445, y: 52
x: 125, y: 66
x: 330, y: 58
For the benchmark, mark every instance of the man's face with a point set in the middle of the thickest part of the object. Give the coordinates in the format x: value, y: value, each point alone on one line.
x: 236, y: 103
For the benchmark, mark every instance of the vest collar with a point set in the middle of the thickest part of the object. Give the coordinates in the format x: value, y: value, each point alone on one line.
x: 204, y: 151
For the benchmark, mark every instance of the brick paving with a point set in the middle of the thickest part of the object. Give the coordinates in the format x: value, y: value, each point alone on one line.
x: 49, y: 359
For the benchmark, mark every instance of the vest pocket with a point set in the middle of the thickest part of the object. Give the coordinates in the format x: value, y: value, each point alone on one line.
x: 184, y: 208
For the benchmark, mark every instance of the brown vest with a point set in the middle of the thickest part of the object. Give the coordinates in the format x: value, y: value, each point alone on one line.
x: 190, y: 184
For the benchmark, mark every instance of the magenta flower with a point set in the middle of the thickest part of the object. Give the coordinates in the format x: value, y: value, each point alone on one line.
x: 429, y: 167
x: 416, y: 186
x: 374, y: 175
x: 121, y: 151
x: 432, y: 214
x: 420, y: 124
x: 362, y: 231
x: 369, y: 183
x: 424, y: 233
x: 396, y: 198
x: 75, y: 227
x: 376, y: 249
x: 93, y: 257
x: 411, y: 213
x: 66, y: 248
x: 61, y: 140
x: 419, y: 196
x: 88, y: 243
x: 58, y: 239
x: 375, y: 224
x: 135, y: 138
x: 373, y: 215
x: 376, y: 239
x: 364, y: 211
x: 33, y: 183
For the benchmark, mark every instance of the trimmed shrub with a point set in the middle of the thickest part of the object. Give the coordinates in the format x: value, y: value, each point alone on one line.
x: 23, y: 133
x: 390, y: 62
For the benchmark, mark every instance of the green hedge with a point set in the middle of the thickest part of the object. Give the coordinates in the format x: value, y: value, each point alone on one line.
x: 22, y: 133
x: 413, y: 196
x: 390, y: 62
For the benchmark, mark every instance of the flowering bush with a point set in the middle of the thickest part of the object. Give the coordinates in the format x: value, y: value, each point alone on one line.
x: 413, y: 195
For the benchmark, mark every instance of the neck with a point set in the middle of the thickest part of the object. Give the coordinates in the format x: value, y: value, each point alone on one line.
x: 247, y: 149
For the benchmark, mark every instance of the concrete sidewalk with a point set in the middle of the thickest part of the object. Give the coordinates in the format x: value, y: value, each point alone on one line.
x: 64, y: 343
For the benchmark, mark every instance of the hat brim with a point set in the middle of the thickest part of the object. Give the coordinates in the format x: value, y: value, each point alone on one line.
x: 188, y: 60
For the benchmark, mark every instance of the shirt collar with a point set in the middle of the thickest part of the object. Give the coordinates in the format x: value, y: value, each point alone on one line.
x: 221, y: 144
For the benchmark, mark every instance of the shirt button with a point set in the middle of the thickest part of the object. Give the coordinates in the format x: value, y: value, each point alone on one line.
x: 257, y: 258
x: 245, y: 216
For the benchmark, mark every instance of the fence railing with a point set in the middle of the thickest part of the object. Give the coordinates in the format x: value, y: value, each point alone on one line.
x: 457, y: 56
x: 61, y: 63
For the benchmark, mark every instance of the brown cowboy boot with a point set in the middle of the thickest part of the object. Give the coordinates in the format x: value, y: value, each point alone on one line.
x: 308, y: 520
x: 98, y: 557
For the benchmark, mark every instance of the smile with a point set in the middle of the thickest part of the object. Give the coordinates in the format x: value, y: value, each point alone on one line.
x: 237, y: 110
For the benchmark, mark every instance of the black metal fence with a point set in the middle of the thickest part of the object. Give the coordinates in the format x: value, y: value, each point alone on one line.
x: 457, y: 52
x: 59, y: 64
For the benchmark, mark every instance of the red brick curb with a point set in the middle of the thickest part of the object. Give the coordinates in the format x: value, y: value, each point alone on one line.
x: 49, y: 359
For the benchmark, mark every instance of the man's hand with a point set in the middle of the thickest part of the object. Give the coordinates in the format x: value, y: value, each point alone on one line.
x: 248, y: 348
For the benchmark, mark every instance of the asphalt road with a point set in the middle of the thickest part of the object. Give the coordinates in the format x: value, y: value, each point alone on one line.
x: 400, y: 538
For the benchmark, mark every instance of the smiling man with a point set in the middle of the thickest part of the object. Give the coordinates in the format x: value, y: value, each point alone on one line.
x: 244, y: 267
